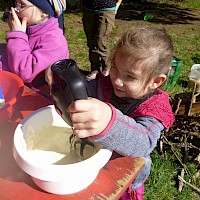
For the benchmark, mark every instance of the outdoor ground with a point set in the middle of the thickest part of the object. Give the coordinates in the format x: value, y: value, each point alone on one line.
x: 182, y: 22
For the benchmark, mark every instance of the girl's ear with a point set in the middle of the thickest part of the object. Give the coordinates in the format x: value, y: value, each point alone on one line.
x: 158, y: 81
x: 44, y: 15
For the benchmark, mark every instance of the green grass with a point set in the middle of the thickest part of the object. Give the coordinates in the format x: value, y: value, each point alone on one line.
x: 182, y: 3
x: 162, y: 183
x: 183, y: 30
x: 182, y: 22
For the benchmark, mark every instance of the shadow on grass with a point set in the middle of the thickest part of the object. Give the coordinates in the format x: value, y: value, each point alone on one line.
x: 163, y: 13
x: 135, y: 10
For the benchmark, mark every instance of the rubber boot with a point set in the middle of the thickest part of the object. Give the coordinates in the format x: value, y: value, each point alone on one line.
x: 128, y: 195
x: 139, y: 193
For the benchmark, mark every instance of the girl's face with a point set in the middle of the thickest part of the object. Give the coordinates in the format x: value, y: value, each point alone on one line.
x: 127, y: 81
x: 26, y: 9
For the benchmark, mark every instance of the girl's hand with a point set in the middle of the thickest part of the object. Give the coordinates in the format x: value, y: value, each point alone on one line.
x: 117, y: 5
x: 15, y: 24
x: 89, y: 117
x: 48, y: 75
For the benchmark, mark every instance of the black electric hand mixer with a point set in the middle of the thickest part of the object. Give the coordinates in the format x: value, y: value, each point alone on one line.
x: 68, y: 85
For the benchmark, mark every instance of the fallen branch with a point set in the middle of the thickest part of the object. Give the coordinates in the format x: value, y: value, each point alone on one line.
x: 184, y: 166
x: 180, y: 181
x: 178, y: 106
x: 192, y: 186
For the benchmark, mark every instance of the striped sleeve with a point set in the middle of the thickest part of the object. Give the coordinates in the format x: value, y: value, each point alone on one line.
x: 59, y: 6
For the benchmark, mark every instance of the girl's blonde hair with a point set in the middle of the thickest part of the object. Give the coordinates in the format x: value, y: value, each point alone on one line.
x: 149, y: 48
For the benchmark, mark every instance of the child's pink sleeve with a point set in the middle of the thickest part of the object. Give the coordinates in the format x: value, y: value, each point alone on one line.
x: 0, y: 65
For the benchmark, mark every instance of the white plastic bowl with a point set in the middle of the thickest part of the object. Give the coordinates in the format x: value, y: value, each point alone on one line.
x: 62, y: 178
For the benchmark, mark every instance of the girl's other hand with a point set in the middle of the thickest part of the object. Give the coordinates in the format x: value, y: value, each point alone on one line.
x: 15, y: 24
x: 89, y: 117
x: 48, y: 75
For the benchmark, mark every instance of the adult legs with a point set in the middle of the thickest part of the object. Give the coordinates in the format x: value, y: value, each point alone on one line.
x: 105, y: 24
x: 90, y: 28
x: 97, y: 27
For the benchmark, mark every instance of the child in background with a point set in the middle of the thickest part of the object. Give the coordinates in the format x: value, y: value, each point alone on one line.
x: 35, y: 40
x: 126, y: 111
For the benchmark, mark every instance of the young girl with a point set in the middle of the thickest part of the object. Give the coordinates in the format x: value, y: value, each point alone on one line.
x: 35, y: 40
x: 126, y: 111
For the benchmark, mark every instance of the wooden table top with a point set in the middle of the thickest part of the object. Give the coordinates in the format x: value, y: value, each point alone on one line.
x: 15, y: 184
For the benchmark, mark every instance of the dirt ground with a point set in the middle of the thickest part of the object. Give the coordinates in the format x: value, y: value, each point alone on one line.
x: 168, y: 15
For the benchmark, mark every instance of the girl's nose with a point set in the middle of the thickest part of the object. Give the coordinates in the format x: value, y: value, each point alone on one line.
x: 118, y: 82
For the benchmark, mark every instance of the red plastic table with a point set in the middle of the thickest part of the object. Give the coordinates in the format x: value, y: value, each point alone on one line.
x: 111, y: 182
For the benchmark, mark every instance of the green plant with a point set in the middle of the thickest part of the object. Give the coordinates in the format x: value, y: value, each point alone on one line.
x: 148, y: 17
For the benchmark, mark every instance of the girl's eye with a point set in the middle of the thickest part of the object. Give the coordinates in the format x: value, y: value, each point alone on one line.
x: 131, y: 77
x: 113, y: 66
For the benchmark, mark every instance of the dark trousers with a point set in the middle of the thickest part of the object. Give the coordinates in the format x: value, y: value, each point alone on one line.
x: 98, y: 26
x: 61, y: 22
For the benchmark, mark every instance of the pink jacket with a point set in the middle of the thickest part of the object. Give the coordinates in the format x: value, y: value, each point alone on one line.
x: 30, y: 53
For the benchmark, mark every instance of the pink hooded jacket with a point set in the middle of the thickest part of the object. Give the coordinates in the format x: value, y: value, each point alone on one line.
x: 30, y: 53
